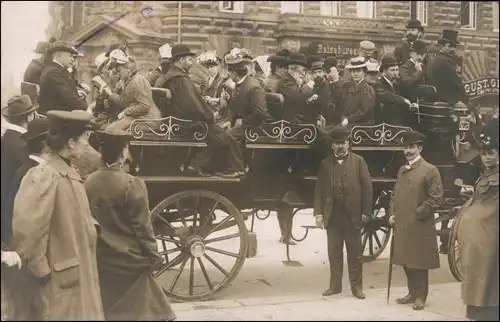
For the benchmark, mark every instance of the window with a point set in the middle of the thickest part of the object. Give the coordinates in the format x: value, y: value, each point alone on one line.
x: 468, y: 14
x: 330, y: 8
x: 365, y: 9
x: 418, y: 10
x: 495, y: 15
x: 292, y: 7
x: 231, y: 6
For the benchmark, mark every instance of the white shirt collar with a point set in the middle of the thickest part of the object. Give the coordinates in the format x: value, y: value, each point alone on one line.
x: 414, y: 160
x: 414, y: 62
x: 58, y: 63
x: 36, y: 159
x: 388, y: 81
x: 241, y: 80
x: 14, y: 127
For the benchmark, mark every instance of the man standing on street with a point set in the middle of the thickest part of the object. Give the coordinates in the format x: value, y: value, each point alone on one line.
x: 342, y: 203
x: 418, y: 193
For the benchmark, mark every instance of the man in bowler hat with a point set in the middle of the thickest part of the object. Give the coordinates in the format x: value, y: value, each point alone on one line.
x: 417, y: 194
x: 412, y: 72
x: 414, y: 31
x: 342, y: 203
x: 35, y: 68
x: 187, y: 103
x: 441, y: 72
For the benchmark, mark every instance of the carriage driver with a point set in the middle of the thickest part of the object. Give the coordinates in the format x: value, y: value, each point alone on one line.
x: 342, y: 203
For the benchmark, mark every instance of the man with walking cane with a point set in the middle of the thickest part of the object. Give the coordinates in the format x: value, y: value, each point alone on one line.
x: 418, y: 193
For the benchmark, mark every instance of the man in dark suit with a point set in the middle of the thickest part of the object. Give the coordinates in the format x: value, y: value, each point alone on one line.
x: 58, y: 88
x: 342, y: 203
x: 412, y: 72
x: 414, y: 30
x: 187, y: 103
x: 248, y: 105
x: 393, y: 107
x: 19, y: 111
x: 35, y: 68
x: 442, y: 74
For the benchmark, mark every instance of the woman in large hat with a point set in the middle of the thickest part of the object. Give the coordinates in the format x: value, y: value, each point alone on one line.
x: 129, y: 290
x: 478, y: 233
x: 53, y: 229
x: 136, y: 100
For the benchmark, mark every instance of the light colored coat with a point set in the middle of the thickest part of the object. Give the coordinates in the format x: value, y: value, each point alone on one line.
x: 478, y: 238
x: 417, y: 195
x: 55, y: 233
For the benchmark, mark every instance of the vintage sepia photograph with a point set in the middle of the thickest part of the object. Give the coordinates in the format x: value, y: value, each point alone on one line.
x: 250, y: 160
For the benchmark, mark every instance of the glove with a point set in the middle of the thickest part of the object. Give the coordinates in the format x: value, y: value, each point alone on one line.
x: 11, y: 259
x: 319, y: 221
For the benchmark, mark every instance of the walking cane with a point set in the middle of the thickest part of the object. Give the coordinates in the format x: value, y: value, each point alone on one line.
x: 391, y: 254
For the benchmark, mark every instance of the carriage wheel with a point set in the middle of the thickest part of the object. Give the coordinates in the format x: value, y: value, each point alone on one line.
x: 210, y: 239
x: 375, y: 235
x: 454, y: 251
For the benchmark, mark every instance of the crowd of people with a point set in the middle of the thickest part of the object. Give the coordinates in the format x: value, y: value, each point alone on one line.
x: 77, y: 241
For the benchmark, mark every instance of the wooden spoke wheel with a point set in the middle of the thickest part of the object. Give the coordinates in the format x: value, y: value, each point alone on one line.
x: 376, y: 233
x: 204, y: 234
x: 454, y: 251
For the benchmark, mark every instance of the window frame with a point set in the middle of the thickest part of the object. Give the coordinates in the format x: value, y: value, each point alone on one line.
x: 299, y: 4
x: 335, y: 10
x: 238, y: 7
x: 496, y: 10
x: 421, y: 12
x: 373, y: 9
x: 472, y: 13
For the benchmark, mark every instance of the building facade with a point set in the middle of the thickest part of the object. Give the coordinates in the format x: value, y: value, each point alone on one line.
x: 332, y: 28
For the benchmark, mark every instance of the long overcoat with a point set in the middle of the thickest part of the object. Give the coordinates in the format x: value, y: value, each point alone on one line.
x: 417, y: 195
x: 55, y: 233
x: 478, y: 238
x: 126, y: 247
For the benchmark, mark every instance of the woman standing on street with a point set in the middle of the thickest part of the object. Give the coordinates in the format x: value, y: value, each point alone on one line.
x: 478, y: 237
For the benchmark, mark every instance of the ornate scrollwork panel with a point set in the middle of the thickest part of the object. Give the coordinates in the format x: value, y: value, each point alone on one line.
x: 283, y: 132
x: 381, y: 134
x: 168, y: 129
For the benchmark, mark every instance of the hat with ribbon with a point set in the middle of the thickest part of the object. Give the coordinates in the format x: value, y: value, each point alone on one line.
x: 234, y: 60
x: 36, y: 129
x: 487, y: 141
x: 75, y: 122
x: 296, y: 59
x: 208, y: 59
x: 387, y: 62
x: 317, y: 65
x: 356, y: 62
x: 412, y: 137
x: 339, y: 134
x: 118, y: 57
x: 449, y: 36
x: 63, y: 46
x: 418, y: 46
x: 181, y: 50
x: 111, y: 48
x: 19, y: 105
x: 414, y: 24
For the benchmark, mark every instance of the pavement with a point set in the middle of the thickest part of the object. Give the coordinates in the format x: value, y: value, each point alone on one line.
x: 444, y: 304
x: 266, y: 289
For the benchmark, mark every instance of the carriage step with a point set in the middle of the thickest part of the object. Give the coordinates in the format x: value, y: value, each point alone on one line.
x: 181, y: 179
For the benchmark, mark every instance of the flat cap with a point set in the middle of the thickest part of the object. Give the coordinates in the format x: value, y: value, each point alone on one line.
x: 317, y: 65
x: 74, y: 123
x: 367, y: 46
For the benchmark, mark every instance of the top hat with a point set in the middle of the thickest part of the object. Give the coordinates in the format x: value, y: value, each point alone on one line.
x: 449, y: 36
x: 36, y: 129
x: 113, y: 137
x: 19, y: 105
x: 339, y: 134
x: 388, y: 61
x: 41, y: 47
x: 75, y: 122
x: 412, y: 137
x: 181, y: 50
x: 317, y: 65
x: 63, y: 46
x: 414, y: 24
x: 418, y: 46
x: 356, y: 62
x: 367, y: 46
x: 296, y: 59
x: 111, y: 48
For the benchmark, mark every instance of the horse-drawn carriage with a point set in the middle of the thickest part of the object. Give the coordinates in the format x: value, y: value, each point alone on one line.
x: 202, y: 220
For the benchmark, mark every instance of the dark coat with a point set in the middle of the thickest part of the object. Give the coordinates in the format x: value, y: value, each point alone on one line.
x: 58, y: 90
x: 294, y: 97
x: 442, y: 74
x: 57, y: 237
x: 478, y: 237
x: 391, y: 107
x: 127, y: 247
x: 417, y: 194
x: 14, y: 155
x: 356, y: 103
x: 410, y: 78
x: 248, y: 103
x: 34, y: 71
x: 402, y: 53
x: 358, y: 189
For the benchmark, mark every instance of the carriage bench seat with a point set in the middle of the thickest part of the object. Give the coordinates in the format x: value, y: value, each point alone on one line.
x: 169, y: 131
x: 281, y: 135
x: 384, y: 136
